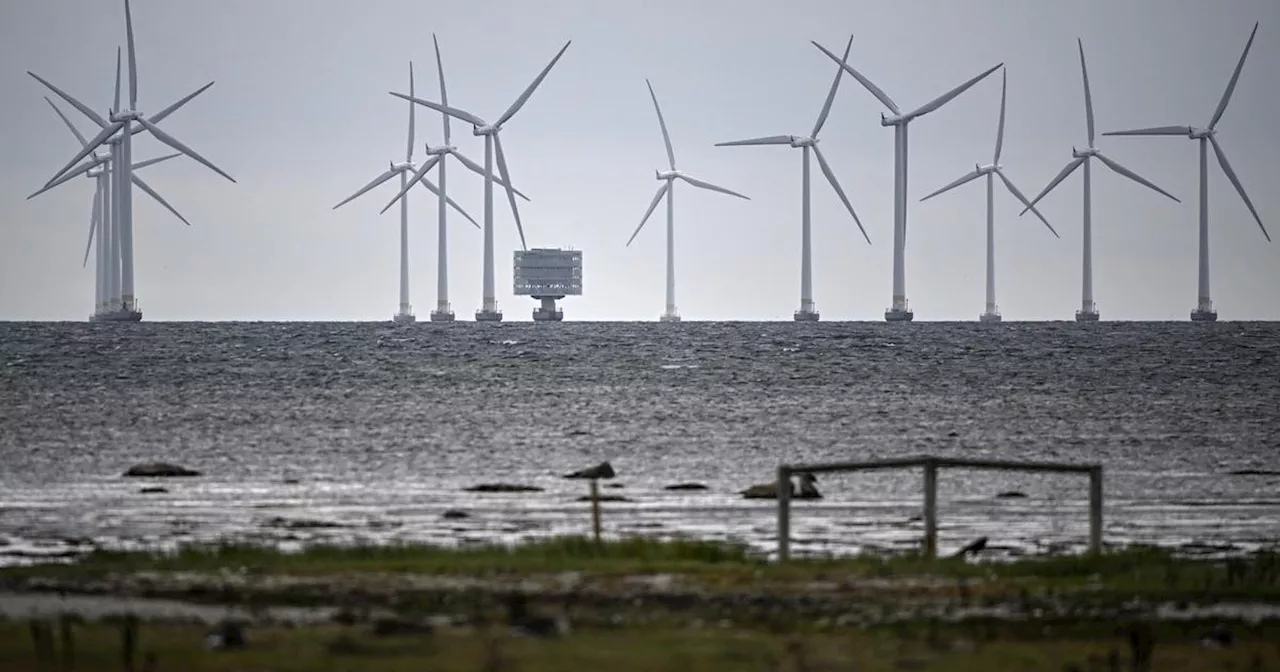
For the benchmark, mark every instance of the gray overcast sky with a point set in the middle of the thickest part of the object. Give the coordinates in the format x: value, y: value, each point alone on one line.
x: 300, y: 115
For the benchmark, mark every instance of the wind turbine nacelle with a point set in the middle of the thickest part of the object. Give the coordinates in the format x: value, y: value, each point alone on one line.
x: 886, y: 120
x: 665, y: 175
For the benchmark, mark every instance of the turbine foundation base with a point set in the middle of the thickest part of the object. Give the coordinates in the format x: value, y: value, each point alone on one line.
x: 803, y: 315
x: 442, y: 315
x: 117, y: 315
x: 1087, y: 316
x: 404, y: 318
x: 483, y: 315
x: 898, y: 315
x: 669, y: 317
x: 1204, y: 315
x: 990, y: 318
x: 548, y: 312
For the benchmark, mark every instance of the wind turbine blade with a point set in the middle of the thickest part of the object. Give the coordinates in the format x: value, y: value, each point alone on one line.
x: 93, y: 224
x: 174, y: 143
x: 74, y: 131
x: 116, y: 105
x: 967, y: 177
x: 84, y: 109
x: 666, y: 137
x: 524, y: 97
x: 93, y: 144
x: 417, y: 175
x: 475, y: 168
x: 1134, y: 176
x: 1235, y: 77
x: 950, y: 95
x: 657, y: 198
x: 133, y: 57
x: 1235, y: 181
x: 1157, y: 130
x: 436, y: 190
x: 444, y: 97
x: 866, y: 83
x: 831, y: 95
x: 835, y: 184
x: 506, y: 179
x: 160, y: 116
x: 1062, y: 175
x: 72, y: 174
x: 1088, y: 96
x: 152, y: 162
x: 408, y: 152
x: 1004, y: 89
x: 707, y: 185
x: 770, y: 140
x: 152, y: 193
x: 451, y: 111
x: 373, y: 183
x: 1018, y: 194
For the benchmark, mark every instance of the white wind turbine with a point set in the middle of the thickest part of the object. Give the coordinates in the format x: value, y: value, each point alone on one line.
x: 900, y: 312
x: 1204, y: 311
x: 808, y: 312
x: 107, y: 259
x: 405, y: 170
x: 488, y: 311
x: 117, y: 132
x: 443, y: 312
x: 991, y: 171
x: 667, y: 189
x: 1088, y: 309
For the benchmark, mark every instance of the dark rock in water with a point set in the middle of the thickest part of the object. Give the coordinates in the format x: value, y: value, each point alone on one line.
x: 615, y: 486
x: 154, y: 491
x: 577, y: 432
x: 686, y: 486
x: 604, y: 498
x: 227, y: 635
x: 290, y: 481
x: 1012, y: 494
x: 393, y: 627
x: 455, y: 514
x: 808, y: 489
x: 1254, y: 472
x: 502, y: 487
x: 302, y: 524
x: 953, y: 434
x: 159, y: 470
x: 602, y: 470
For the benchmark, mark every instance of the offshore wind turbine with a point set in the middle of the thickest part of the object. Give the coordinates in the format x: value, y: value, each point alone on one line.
x: 992, y: 171
x: 899, y: 311
x: 404, y: 169
x: 1204, y: 311
x: 443, y: 311
x: 117, y: 132
x: 668, y: 178
x: 808, y: 311
x: 488, y: 311
x: 107, y: 258
x: 1088, y: 309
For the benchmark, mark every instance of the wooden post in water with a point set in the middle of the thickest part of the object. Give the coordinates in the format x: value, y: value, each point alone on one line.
x: 595, y: 509
x: 68, y: 643
x: 1095, y: 510
x: 784, y: 513
x: 930, y: 509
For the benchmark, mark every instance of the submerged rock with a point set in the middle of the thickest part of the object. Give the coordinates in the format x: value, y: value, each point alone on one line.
x: 1011, y: 494
x: 808, y: 489
x: 502, y: 487
x: 602, y: 470
x: 455, y: 514
x: 159, y: 470
x: 604, y: 498
x: 686, y: 486
x: 154, y: 491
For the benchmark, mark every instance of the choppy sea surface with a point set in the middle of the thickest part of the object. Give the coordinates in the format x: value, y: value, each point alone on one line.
x: 368, y: 432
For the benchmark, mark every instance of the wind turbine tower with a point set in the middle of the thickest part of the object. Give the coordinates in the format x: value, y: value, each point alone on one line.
x: 1206, y: 137
x: 117, y: 132
x: 808, y: 311
x: 899, y: 311
x: 1088, y: 309
x: 488, y: 311
x: 667, y: 189
x: 992, y: 171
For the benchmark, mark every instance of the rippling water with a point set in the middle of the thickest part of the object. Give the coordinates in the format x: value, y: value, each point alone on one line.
x: 350, y: 431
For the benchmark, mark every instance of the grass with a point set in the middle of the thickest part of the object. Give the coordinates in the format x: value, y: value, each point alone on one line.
x: 973, y: 648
